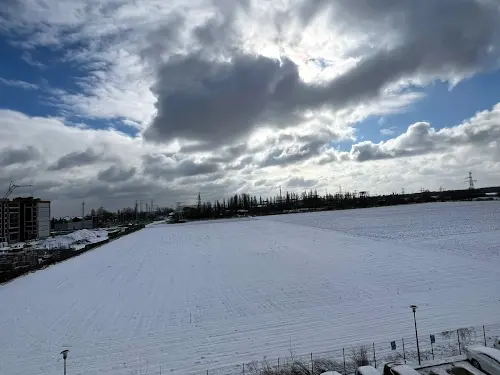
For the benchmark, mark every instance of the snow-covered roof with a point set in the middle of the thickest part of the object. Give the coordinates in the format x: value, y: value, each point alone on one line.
x: 368, y: 370
x: 330, y: 373
x: 493, y: 353
x: 405, y: 370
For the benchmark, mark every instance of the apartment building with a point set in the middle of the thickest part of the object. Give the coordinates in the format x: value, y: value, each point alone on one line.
x: 9, y: 221
x: 24, y: 219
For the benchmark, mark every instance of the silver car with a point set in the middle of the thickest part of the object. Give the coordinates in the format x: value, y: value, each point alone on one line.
x: 484, y: 358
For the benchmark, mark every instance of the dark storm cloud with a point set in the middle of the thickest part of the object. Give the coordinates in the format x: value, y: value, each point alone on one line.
x: 367, y: 150
x: 76, y: 159
x: 190, y: 168
x: 410, y: 19
x: 300, y: 182
x: 290, y: 155
x: 218, y: 102
x: 194, y: 181
x: 163, y: 38
x: 164, y: 167
x: 261, y: 182
x: 10, y: 156
x: 116, y: 173
x: 126, y: 191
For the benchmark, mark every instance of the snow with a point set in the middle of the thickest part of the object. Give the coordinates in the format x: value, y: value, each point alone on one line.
x: 405, y: 370
x: 368, y: 370
x: 494, y: 353
x: 155, y: 223
x: 198, y: 296
x: 75, y: 239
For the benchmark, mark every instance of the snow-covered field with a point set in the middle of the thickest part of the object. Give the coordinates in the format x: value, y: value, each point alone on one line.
x: 191, y: 297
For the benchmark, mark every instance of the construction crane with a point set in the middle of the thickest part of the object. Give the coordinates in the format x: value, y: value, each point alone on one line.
x: 13, y: 187
x: 470, y: 180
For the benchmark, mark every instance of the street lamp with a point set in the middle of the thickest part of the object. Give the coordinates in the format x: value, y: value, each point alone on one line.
x: 414, y: 309
x: 65, y: 355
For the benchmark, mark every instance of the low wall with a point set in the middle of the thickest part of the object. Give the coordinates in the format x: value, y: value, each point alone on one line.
x: 11, y: 271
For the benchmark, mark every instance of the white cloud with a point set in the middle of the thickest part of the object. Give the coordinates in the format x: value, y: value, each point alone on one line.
x: 125, y: 169
x: 482, y: 131
x: 388, y: 131
x: 123, y: 45
x: 18, y: 83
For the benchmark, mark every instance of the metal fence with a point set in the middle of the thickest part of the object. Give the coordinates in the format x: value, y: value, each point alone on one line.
x: 431, y: 348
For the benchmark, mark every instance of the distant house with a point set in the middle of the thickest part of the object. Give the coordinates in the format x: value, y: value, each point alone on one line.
x: 242, y: 212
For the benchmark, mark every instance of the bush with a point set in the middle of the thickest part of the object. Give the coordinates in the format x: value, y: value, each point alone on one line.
x: 360, y: 355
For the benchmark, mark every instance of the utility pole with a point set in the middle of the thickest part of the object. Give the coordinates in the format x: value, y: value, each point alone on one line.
x: 471, y: 181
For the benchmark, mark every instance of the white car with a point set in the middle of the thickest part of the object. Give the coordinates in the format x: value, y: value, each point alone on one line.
x: 367, y: 370
x: 396, y: 368
x: 484, y: 358
x: 331, y: 373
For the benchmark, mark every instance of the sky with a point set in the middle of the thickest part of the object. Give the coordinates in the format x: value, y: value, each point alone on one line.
x: 113, y: 101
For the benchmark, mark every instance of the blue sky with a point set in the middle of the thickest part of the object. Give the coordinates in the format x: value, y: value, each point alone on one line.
x: 117, y: 100
x: 442, y: 106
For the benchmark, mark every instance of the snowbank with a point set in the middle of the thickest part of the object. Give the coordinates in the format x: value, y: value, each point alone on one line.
x: 74, y: 239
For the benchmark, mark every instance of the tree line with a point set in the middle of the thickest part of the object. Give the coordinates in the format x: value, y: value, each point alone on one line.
x: 244, y: 204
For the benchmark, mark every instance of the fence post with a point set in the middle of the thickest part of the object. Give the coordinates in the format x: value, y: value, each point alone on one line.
x: 459, y: 348
x: 374, y: 357
x: 278, y: 364
x: 343, y: 355
x: 484, y: 334
x: 404, y: 353
x: 312, y: 364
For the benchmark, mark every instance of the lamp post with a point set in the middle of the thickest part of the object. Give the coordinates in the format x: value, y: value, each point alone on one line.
x: 414, y: 309
x: 65, y: 355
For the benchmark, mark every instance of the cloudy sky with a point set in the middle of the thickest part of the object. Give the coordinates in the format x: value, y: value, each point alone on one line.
x: 110, y: 101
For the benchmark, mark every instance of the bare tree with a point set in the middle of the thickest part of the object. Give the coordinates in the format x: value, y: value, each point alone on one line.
x: 359, y: 355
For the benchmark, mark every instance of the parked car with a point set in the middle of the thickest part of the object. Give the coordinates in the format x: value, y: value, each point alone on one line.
x: 367, y: 370
x: 331, y: 373
x: 496, y: 344
x: 398, y: 368
x: 484, y: 359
